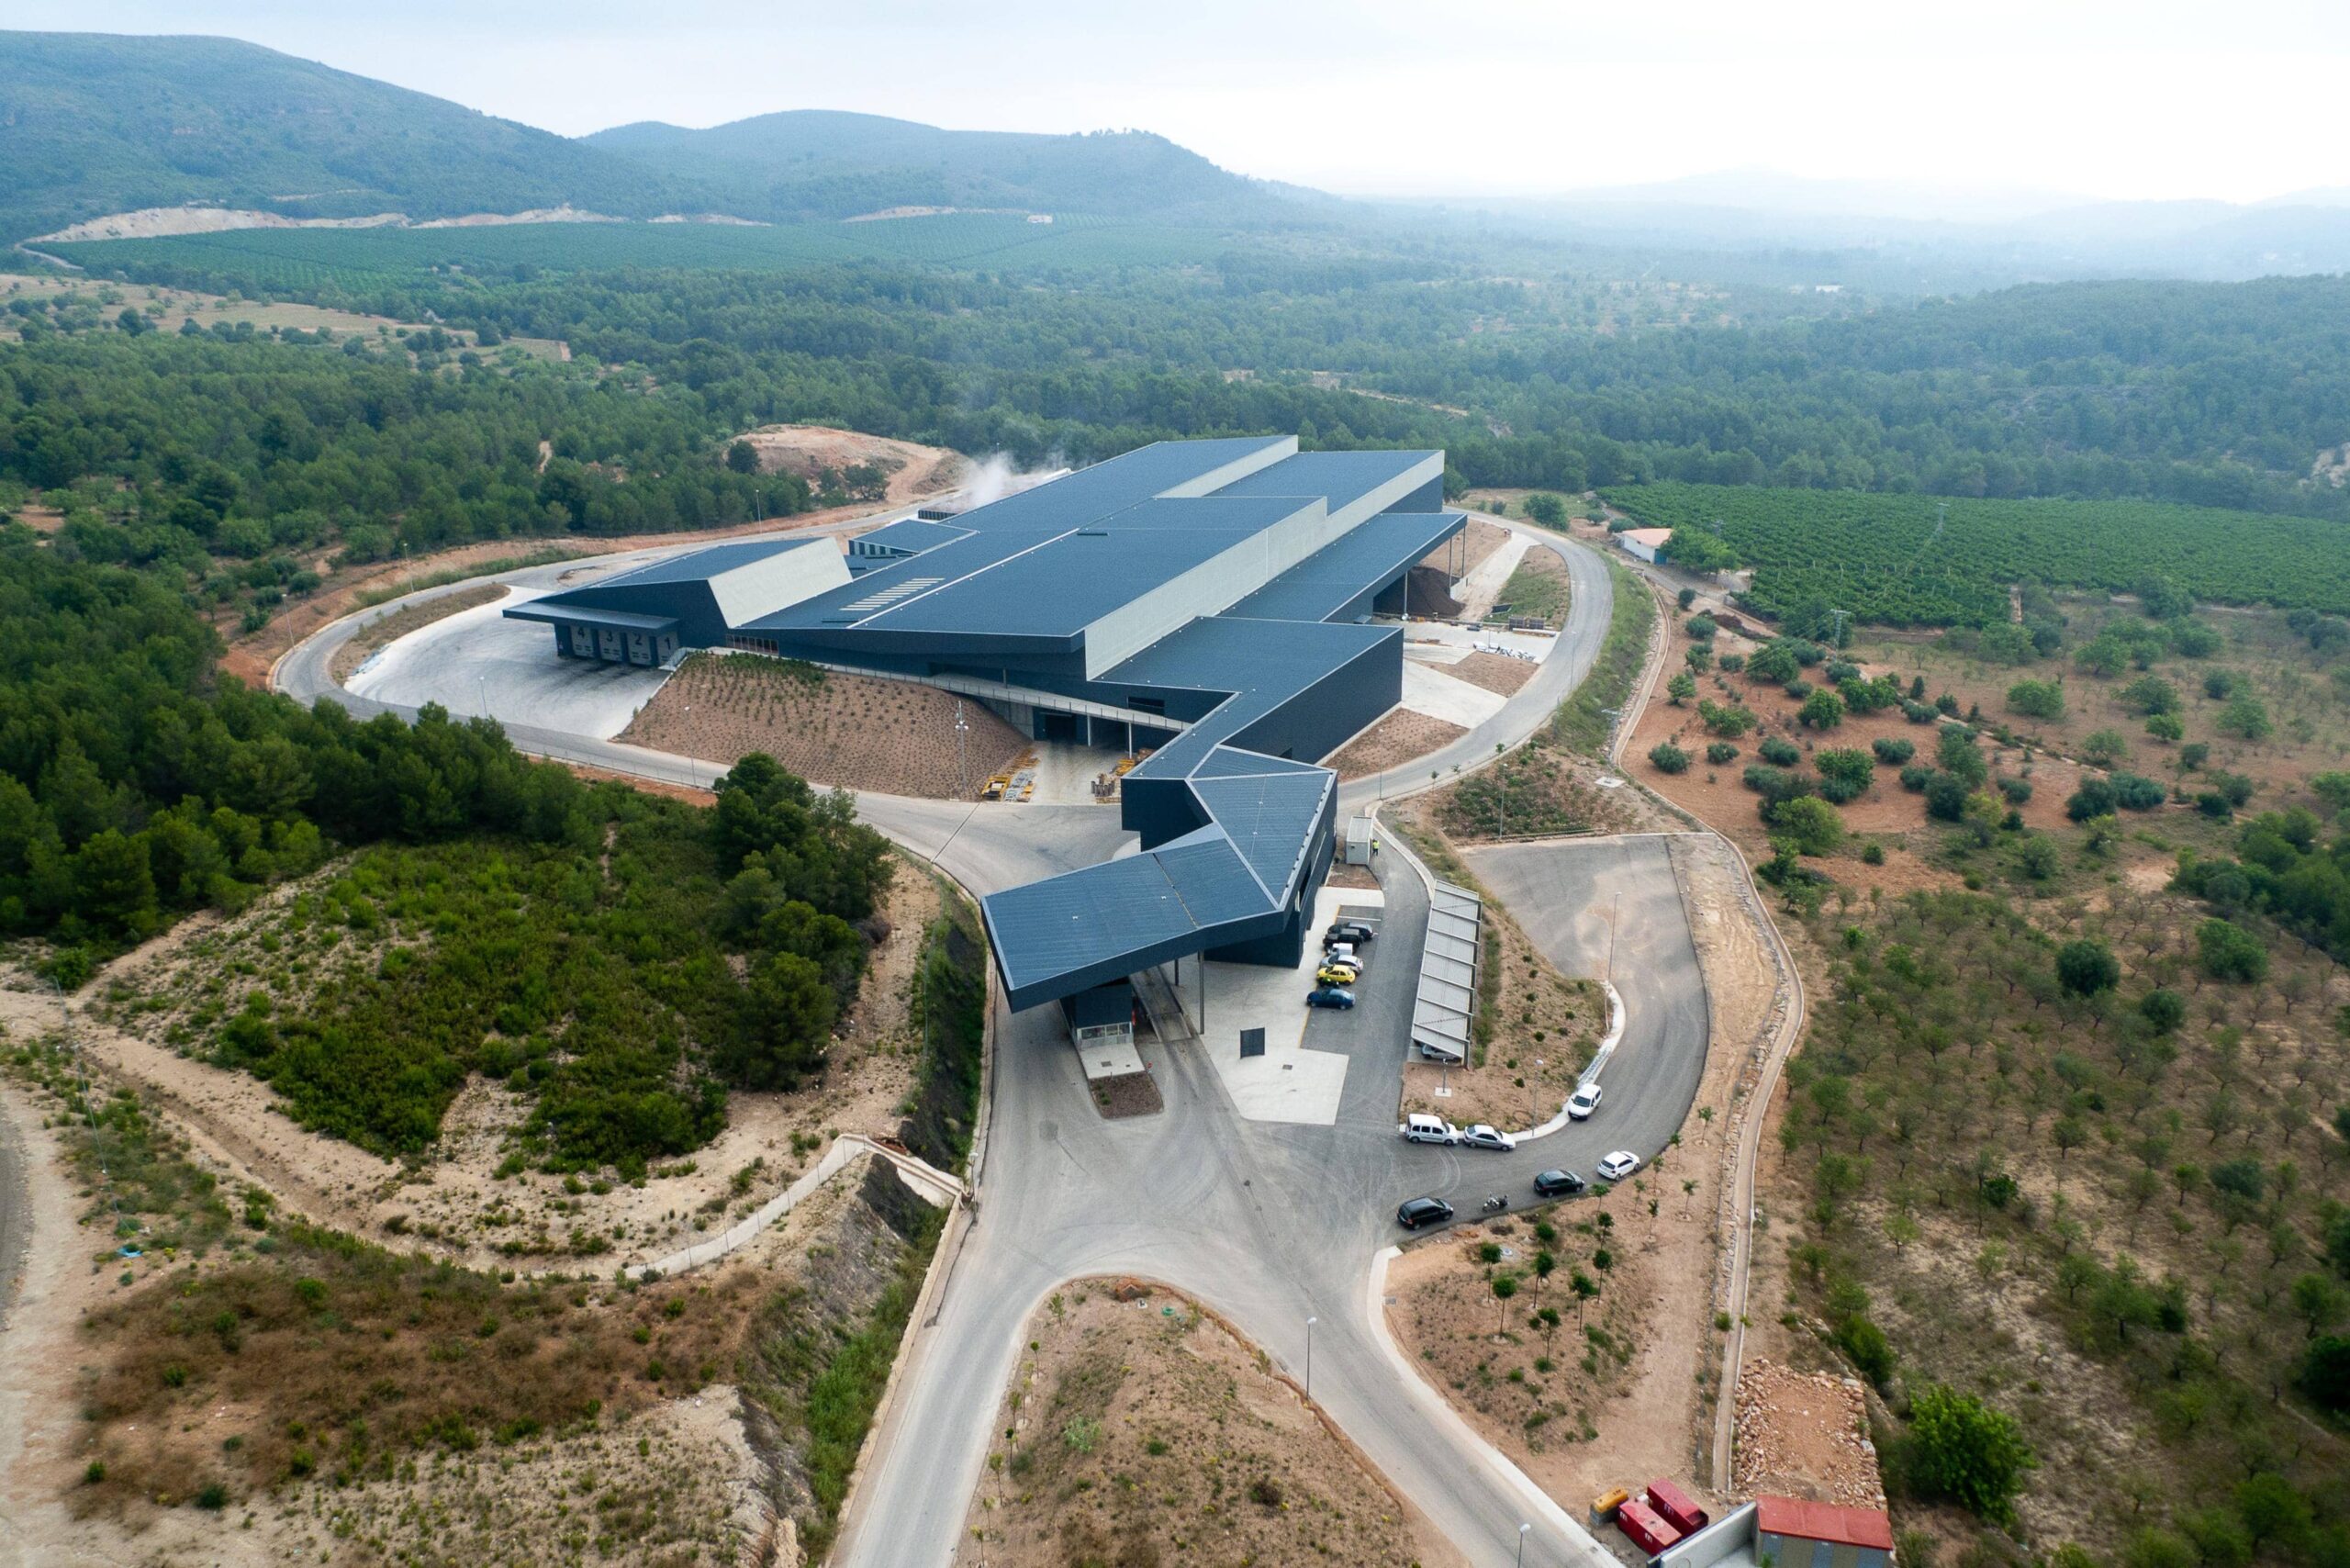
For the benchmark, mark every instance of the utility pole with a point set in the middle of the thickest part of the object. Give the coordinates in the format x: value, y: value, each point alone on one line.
x: 962, y: 767
x: 1840, y: 617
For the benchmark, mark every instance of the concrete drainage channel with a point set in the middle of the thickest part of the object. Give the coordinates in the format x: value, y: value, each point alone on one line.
x: 933, y: 1185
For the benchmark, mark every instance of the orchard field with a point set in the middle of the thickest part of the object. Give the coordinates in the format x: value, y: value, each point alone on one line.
x: 1882, y: 558
x: 307, y: 259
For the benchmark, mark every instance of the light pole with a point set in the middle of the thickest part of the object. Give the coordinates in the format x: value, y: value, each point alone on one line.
x: 1521, y: 1544
x: 1533, y: 1089
x: 962, y: 767
x: 482, y: 682
x: 1309, y: 1356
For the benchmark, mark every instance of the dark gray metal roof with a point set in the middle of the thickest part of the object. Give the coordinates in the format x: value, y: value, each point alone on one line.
x: 1068, y: 933
x: 1270, y: 817
x: 698, y: 565
x: 912, y: 533
x: 1362, y: 559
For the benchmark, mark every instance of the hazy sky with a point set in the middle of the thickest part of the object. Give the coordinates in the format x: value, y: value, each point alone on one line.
x: 2151, y: 98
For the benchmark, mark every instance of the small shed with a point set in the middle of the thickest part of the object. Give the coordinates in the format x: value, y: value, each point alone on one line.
x: 1642, y: 543
x: 1362, y: 833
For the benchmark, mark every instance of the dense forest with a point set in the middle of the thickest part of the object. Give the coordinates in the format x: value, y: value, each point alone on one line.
x: 96, y: 125
x: 2210, y: 395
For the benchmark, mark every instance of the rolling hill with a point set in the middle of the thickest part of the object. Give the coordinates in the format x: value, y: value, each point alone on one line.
x: 92, y: 124
x: 814, y: 164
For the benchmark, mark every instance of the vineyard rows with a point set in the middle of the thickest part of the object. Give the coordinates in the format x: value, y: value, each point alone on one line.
x: 1900, y: 561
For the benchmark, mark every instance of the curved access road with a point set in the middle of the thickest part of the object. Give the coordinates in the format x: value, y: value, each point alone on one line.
x: 1271, y: 1224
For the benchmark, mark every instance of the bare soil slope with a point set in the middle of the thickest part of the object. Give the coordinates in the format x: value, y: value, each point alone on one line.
x: 853, y: 731
x: 811, y: 451
x: 1140, y: 1430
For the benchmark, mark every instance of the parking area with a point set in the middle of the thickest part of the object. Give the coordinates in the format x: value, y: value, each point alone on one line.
x: 1302, y: 1075
x: 475, y: 661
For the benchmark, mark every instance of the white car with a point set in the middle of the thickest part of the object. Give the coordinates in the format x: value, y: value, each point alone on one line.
x: 1583, y: 1103
x: 1480, y: 1136
x: 1618, y: 1165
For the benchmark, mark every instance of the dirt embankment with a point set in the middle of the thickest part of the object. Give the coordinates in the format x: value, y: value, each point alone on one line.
x: 1495, y: 672
x: 252, y: 657
x: 442, y: 1422
x: 1140, y: 1430
x: 857, y: 732
x: 1401, y: 737
x: 151, y: 1004
x: 1460, y: 557
x: 812, y: 452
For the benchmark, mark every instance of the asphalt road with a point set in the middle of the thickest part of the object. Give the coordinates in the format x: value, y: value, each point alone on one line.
x: 1566, y: 893
x: 1271, y: 1224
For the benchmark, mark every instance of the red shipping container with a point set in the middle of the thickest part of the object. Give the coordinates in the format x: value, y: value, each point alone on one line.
x: 1674, y: 1505
x: 1649, y: 1533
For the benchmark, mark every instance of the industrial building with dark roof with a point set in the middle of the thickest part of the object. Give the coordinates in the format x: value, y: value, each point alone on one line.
x: 1210, y: 599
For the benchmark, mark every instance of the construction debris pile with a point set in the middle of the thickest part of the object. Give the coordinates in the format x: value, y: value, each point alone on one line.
x: 1805, y: 1434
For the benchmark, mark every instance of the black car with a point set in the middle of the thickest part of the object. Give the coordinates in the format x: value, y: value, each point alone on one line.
x: 1555, y: 1183
x: 1418, y: 1212
x: 1353, y: 931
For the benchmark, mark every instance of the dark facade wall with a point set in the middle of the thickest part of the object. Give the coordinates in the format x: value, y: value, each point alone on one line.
x: 699, y: 623
x: 1428, y: 498
x: 1324, y: 716
x: 1159, y: 809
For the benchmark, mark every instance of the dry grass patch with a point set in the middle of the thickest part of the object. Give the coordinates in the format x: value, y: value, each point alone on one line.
x: 333, y: 1357
x: 1495, y: 672
x: 1402, y: 736
x: 1139, y: 1431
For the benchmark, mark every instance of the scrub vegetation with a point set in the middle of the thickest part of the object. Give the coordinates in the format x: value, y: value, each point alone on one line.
x: 619, y: 981
x: 1583, y: 722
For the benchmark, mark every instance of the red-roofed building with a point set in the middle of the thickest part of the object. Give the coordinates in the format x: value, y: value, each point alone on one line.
x: 1791, y: 1533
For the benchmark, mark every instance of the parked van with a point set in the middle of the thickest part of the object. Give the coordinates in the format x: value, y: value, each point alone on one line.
x: 1419, y: 1128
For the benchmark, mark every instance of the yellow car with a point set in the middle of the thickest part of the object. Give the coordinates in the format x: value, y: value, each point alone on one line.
x: 1337, y: 974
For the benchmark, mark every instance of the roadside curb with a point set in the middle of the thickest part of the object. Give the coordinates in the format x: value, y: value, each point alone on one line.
x: 1607, y: 1044
x: 1440, y: 1409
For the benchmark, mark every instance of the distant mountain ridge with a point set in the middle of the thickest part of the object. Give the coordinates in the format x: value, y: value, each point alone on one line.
x: 92, y: 124
x: 95, y: 125
x: 801, y: 163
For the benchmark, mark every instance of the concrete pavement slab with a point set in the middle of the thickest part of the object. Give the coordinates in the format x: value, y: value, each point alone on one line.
x: 1292, y: 1081
x: 477, y: 656
x: 1440, y: 696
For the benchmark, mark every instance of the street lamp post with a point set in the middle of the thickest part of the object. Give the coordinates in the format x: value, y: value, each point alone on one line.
x: 1533, y: 1092
x: 1309, y: 1356
x: 1521, y: 1544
